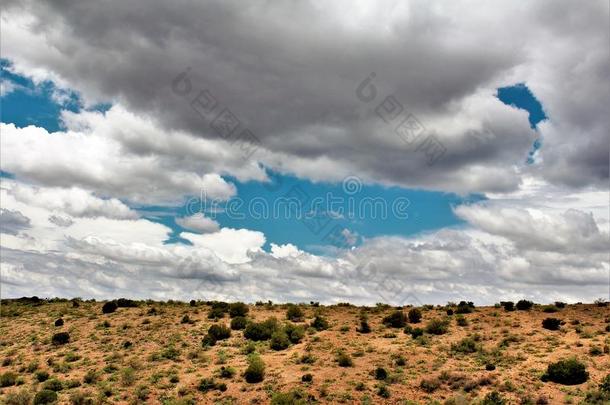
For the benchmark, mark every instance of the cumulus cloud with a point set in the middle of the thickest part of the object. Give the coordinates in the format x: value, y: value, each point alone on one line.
x: 103, y: 165
x: 295, y: 89
x: 13, y: 221
x: 198, y: 223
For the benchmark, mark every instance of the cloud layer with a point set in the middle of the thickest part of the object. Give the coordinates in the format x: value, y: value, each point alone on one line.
x: 295, y: 89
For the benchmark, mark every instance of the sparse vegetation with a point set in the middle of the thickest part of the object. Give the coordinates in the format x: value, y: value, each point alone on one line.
x: 120, y: 358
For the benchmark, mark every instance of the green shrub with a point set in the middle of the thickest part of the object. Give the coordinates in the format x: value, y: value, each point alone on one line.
x: 551, y: 323
x: 109, y: 307
x: 549, y: 309
x: 396, y: 319
x: 45, y: 397
x: 417, y: 332
x: 509, y: 306
x: 219, y: 331
x: 208, y: 384
x: 53, y: 385
x: 226, y: 372
x: 437, y: 326
x: 41, y: 376
x: 493, y: 398
x: 294, y: 313
x: 307, y: 377
x: 344, y: 360
x: 126, y: 303
x: 256, y: 369
x: 464, y: 307
x: 59, y: 322
x: 461, y: 320
x: 294, y: 397
x: 414, y: 315
x: 60, y: 338
x: 258, y: 331
x: 381, y: 373
x: 239, y: 323
x: 21, y: 397
x: 216, y: 313
x: 295, y: 332
x: 429, y: 385
x: 466, y: 346
x: 279, y: 340
x: 566, y: 372
x: 524, y: 305
x: 319, y: 323
x: 364, y: 327
x: 7, y: 379
x: 560, y: 304
x: 186, y: 319
x: 238, y: 309
x: 383, y: 391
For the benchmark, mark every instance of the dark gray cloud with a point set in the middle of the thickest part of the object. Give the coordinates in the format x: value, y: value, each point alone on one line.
x: 289, y: 71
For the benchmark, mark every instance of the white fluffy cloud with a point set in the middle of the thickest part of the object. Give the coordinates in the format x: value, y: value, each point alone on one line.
x: 198, y: 223
x: 89, y: 155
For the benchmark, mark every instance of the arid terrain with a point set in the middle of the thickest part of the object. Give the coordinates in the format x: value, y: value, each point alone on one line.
x: 161, y: 352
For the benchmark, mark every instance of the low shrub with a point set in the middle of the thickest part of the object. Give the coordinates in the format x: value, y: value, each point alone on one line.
x: 560, y: 304
x: 549, y: 309
x: 429, y: 385
x: 344, y: 359
x: 256, y: 369
x: 417, y: 332
x: 60, y: 338
x: 319, y: 323
x: 466, y: 346
x: 294, y: 313
x: 215, y: 333
x: 551, y: 323
x: 126, y: 303
x: 464, y: 307
x: 209, y: 384
x: 45, y: 397
x: 396, y: 319
x: 41, y: 376
x: 383, y: 391
x: 53, y: 384
x: 294, y: 332
x: 524, y: 305
x: 566, y: 372
x: 279, y: 340
x: 493, y: 398
x: 238, y: 309
x: 8, y: 379
x: 381, y: 373
x: 364, y: 327
x: 414, y: 315
x: 437, y: 326
x: 59, y: 322
x: 258, y: 331
x: 109, y: 307
x: 226, y: 372
x: 294, y: 397
x: 239, y: 323
x: 307, y: 378
x: 508, y: 305
x: 460, y: 320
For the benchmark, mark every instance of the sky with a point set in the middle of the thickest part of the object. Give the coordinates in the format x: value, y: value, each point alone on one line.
x: 403, y: 152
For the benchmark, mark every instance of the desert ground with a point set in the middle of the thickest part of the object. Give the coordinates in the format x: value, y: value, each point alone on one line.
x: 165, y: 352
